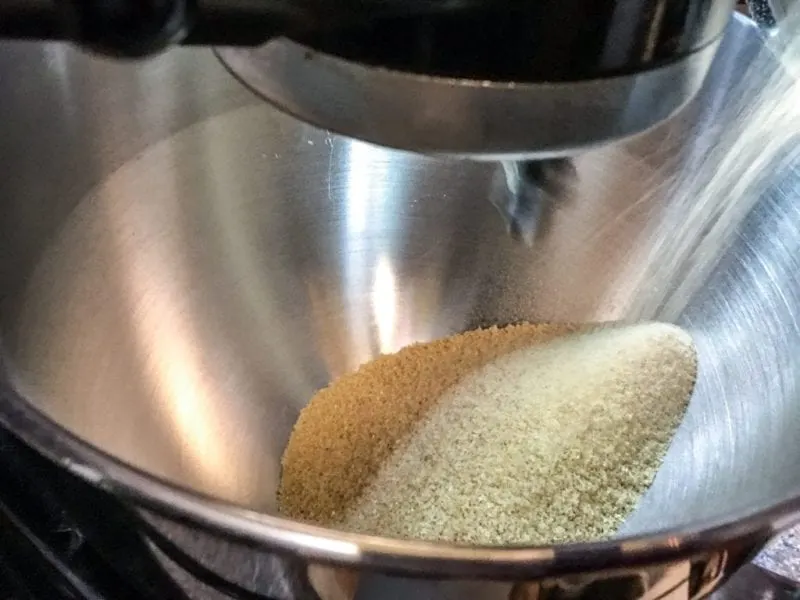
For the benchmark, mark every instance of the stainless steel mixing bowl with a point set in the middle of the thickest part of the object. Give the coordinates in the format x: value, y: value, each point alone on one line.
x: 182, y: 267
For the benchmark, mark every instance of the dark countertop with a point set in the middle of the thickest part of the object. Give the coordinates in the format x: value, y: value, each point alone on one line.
x: 782, y: 556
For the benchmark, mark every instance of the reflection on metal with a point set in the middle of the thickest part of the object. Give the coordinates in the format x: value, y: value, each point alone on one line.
x: 384, y: 306
x: 333, y: 583
x: 671, y: 582
x: 531, y: 193
x: 187, y: 397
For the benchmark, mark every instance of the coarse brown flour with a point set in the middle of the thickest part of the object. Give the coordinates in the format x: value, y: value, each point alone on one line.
x: 517, y: 435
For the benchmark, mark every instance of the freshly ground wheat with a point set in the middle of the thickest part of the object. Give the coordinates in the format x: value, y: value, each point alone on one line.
x: 526, y: 434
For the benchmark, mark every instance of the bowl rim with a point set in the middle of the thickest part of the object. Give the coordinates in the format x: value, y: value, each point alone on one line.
x: 409, y: 557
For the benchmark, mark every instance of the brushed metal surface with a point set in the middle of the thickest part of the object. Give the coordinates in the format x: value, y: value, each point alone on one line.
x: 182, y: 267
